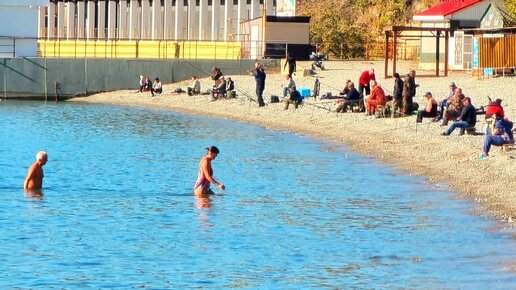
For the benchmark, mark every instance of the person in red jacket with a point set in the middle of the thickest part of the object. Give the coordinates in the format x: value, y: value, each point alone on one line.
x: 376, y: 98
x: 495, y: 108
x: 363, y: 83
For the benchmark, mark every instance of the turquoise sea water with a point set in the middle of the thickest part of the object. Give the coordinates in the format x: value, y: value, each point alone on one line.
x: 298, y: 213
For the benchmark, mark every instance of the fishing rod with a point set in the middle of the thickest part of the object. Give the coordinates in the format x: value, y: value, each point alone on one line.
x: 242, y: 92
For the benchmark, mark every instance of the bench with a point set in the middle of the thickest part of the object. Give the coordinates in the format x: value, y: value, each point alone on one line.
x: 380, y: 111
x: 508, y: 147
x: 471, y: 130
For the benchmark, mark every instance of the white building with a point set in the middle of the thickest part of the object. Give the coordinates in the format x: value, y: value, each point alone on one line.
x: 19, y: 27
x: 214, y: 20
x: 455, y: 15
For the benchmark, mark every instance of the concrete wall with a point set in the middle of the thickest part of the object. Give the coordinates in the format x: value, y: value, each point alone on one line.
x: 35, y: 78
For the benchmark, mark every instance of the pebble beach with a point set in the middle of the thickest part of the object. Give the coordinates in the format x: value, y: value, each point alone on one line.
x: 419, y: 149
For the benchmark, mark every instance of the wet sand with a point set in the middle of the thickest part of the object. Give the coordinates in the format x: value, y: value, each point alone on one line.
x: 416, y: 149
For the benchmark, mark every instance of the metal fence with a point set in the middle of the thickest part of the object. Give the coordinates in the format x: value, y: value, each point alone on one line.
x: 7, y: 47
x: 408, y: 49
x: 241, y: 48
x: 163, y: 49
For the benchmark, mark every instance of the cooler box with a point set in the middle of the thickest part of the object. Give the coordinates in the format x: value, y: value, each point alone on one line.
x: 304, y: 92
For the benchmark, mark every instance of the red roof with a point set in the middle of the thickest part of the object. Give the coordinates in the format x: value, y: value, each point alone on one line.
x: 448, y: 7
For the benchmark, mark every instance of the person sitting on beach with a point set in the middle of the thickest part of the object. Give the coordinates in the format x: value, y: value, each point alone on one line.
x: 294, y: 98
x: 230, y: 85
x: 290, y: 83
x: 376, y: 98
x: 141, y: 83
x: 345, y: 90
x: 502, y: 134
x: 147, y: 84
x: 351, y: 99
x: 467, y: 118
x: 156, y: 87
x: 205, y: 174
x: 454, y: 108
x: 195, y: 88
x: 430, y: 110
x: 219, y: 92
x: 495, y: 108
x: 445, y: 103
x: 230, y: 88
x: 34, y: 179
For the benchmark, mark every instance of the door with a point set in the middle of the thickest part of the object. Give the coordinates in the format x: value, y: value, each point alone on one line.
x: 459, y: 42
x: 467, y: 54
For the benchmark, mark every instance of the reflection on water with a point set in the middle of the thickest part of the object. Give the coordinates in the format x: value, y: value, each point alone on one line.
x: 203, y: 202
x: 118, y: 210
x: 34, y: 194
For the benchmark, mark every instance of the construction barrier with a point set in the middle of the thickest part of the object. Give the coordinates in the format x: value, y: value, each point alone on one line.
x: 147, y: 49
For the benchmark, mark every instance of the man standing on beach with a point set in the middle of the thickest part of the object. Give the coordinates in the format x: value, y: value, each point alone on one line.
x: 363, y: 82
x: 409, y: 91
x: 397, y: 100
x: 259, y: 77
x: 291, y: 62
x: 34, y: 179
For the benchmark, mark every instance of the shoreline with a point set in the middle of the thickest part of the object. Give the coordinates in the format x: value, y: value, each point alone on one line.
x: 414, y: 149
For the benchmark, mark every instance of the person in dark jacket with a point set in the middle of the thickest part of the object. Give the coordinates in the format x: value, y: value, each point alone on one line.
x: 294, y: 98
x: 291, y: 62
x: 216, y: 73
x: 467, y: 118
x: 409, y: 91
x: 397, y: 100
x: 502, y: 134
x: 351, y: 99
x: 259, y: 77
x: 219, y: 91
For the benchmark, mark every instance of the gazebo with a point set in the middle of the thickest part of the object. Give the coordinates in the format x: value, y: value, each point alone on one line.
x: 397, y: 32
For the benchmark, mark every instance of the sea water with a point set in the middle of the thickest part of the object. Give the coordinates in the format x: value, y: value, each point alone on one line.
x: 117, y: 210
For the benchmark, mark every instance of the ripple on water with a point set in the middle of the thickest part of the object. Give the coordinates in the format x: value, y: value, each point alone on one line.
x: 117, y: 210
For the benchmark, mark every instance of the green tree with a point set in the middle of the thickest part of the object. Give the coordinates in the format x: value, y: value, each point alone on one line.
x: 343, y: 27
x: 510, y: 6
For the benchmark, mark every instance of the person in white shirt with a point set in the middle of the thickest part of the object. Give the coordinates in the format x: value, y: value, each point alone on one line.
x: 195, y: 89
x: 156, y: 87
x: 289, y: 85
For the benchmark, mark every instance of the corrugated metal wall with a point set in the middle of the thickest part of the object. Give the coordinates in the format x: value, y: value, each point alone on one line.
x: 497, y: 52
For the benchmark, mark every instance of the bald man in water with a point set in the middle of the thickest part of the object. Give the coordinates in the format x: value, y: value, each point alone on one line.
x: 34, y: 179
